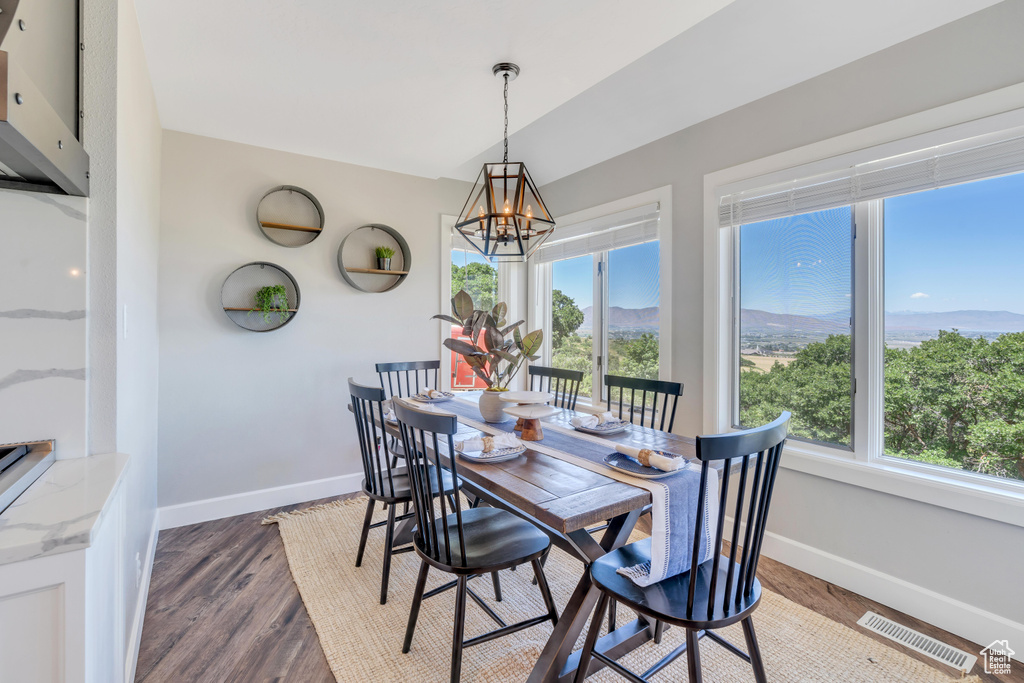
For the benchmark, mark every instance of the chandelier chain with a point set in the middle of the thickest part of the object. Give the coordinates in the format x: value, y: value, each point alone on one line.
x: 506, y: 117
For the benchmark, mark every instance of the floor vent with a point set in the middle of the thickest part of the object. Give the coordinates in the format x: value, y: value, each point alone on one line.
x: 958, y: 659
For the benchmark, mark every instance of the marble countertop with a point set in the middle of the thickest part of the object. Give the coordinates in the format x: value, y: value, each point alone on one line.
x: 61, y: 510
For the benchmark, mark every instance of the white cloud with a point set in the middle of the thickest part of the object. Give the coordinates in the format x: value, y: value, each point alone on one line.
x: 919, y: 295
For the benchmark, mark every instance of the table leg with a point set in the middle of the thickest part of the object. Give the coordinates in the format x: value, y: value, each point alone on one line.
x: 551, y: 665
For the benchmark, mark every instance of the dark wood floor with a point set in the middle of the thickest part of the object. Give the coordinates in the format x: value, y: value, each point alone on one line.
x: 223, y: 607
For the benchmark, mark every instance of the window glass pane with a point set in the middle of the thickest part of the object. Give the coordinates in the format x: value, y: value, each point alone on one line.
x: 795, y: 292
x: 470, y: 271
x: 633, y: 312
x: 572, y: 307
x: 954, y: 327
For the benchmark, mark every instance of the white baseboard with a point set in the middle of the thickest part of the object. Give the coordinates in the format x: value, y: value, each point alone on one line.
x: 254, y: 501
x: 950, y: 614
x: 135, y: 639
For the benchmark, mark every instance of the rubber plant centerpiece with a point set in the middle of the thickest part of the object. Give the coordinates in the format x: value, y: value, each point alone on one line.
x: 493, y: 355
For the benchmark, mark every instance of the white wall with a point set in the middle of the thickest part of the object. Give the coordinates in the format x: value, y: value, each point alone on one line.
x: 139, y: 138
x: 122, y: 135
x: 42, y: 320
x: 900, y: 538
x: 243, y: 411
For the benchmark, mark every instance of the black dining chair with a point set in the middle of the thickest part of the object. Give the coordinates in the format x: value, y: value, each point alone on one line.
x: 382, y: 481
x: 467, y: 543
x: 564, y: 384
x: 722, y: 590
x: 637, y: 410
x: 403, y: 379
x: 640, y: 411
x: 410, y: 377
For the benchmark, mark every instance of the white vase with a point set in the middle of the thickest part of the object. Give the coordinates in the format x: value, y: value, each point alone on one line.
x: 491, y: 406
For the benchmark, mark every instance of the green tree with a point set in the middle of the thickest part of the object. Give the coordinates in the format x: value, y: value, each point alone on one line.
x: 480, y: 280
x: 952, y: 401
x: 576, y: 353
x: 815, y: 387
x: 566, y: 318
x: 635, y: 357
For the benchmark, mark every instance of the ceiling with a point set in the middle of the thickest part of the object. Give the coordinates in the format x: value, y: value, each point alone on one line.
x: 406, y: 85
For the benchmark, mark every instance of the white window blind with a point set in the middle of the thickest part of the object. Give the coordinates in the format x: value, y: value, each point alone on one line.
x: 614, y: 231
x: 939, y: 166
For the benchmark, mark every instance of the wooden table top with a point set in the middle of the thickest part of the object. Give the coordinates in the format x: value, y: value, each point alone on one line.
x: 562, y: 495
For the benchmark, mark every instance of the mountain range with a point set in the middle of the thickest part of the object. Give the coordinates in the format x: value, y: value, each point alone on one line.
x: 980, y: 321
x: 623, y: 317
x: 755, y: 321
x: 763, y: 322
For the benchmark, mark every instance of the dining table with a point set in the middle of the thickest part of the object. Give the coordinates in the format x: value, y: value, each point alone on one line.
x: 586, y: 513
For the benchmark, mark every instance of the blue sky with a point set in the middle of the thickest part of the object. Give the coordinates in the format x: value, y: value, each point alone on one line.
x: 633, y: 277
x: 798, y: 265
x: 961, y: 247
x: 954, y: 248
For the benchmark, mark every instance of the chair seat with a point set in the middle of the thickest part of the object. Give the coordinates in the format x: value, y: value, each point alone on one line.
x: 495, y: 540
x: 399, y: 487
x: 666, y: 600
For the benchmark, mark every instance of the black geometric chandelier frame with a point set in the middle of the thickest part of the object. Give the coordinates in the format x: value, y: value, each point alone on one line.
x: 505, y: 218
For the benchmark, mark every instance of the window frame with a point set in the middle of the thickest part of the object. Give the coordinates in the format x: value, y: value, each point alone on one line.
x: 506, y: 287
x: 736, y: 343
x: 865, y: 464
x: 539, y: 287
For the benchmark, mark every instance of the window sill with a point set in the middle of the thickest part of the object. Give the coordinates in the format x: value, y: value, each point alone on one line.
x: 584, y: 407
x: 907, y: 481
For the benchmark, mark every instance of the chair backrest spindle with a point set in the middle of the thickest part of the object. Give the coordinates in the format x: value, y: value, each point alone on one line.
x: 427, y: 439
x: 564, y: 384
x: 418, y: 376
x: 652, y: 389
x: 764, y: 445
x: 373, y: 446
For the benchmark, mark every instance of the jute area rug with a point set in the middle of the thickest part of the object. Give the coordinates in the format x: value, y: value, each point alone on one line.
x: 362, y: 639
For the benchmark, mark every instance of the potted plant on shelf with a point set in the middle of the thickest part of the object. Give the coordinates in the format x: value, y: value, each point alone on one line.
x: 384, y: 255
x: 272, y: 299
x: 497, y: 359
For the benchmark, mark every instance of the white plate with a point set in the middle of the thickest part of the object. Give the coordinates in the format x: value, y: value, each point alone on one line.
x: 618, y: 461
x: 423, y: 399
x: 606, y: 429
x: 497, y: 455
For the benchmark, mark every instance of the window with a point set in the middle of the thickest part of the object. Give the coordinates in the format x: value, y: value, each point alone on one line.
x: 572, y: 318
x: 795, y: 322
x: 469, y: 271
x: 881, y: 304
x: 625, y: 323
x: 954, y: 327
x: 599, y: 286
x: 634, y: 311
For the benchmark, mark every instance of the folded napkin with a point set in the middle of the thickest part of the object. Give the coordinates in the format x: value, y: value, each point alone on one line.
x: 666, y: 462
x: 431, y: 393
x: 486, y: 444
x: 591, y: 421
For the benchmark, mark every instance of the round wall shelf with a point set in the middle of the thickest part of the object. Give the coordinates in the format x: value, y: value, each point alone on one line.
x: 358, y: 264
x: 238, y: 296
x: 290, y: 216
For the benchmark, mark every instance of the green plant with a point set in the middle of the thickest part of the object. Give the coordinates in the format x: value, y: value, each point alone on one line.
x: 499, y: 359
x: 272, y: 299
x: 384, y: 252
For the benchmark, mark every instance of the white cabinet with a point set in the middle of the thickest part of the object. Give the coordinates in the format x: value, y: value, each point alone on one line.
x: 62, y: 613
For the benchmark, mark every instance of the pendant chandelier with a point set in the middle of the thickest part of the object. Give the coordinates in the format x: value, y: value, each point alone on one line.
x: 505, y: 218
